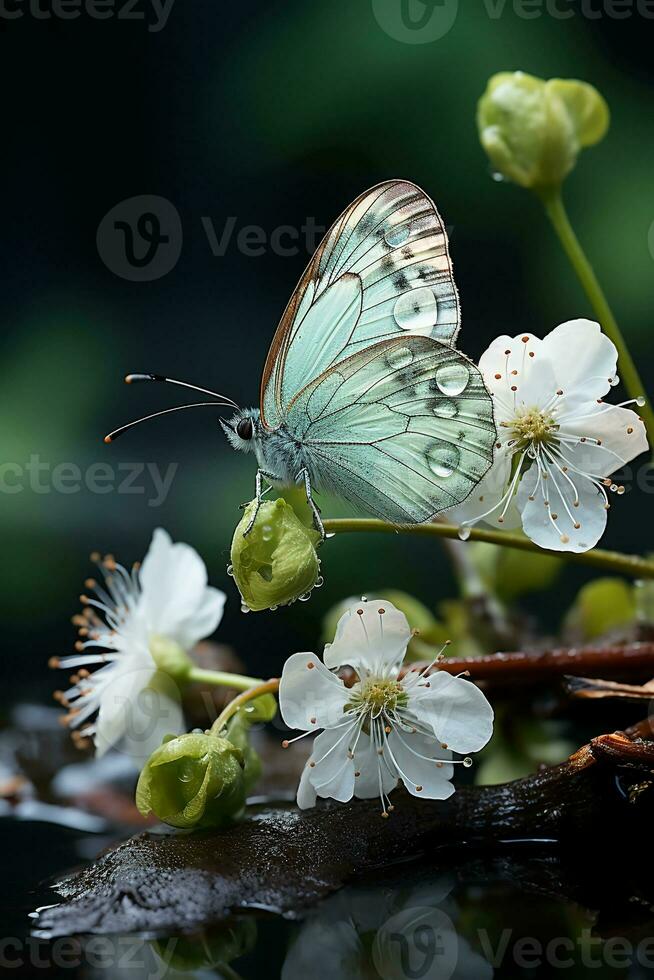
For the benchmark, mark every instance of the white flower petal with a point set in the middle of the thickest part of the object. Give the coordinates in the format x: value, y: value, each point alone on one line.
x: 484, y: 501
x: 173, y: 580
x: 621, y: 432
x: 558, y: 494
x: 332, y: 776
x: 310, y: 696
x: 406, y: 752
x: 371, y: 766
x: 371, y: 637
x: 522, y: 378
x: 585, y: 359
x: 132, y: 713
x: 455, y: 710
x: 306, y: 794
x: 329, y: 753
x: 204, y: 619
x: 166, y: 718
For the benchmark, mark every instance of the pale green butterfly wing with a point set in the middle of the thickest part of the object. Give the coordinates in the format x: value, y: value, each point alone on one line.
x: 402, y: 429
x: 383, y: 270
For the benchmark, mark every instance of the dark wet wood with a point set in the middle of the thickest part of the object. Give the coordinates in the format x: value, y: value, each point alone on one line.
x: 284, y: 859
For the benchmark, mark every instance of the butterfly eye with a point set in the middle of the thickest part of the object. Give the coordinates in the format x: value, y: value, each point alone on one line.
x: 244, y: 429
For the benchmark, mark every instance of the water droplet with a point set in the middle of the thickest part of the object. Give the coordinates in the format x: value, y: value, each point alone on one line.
x: 467, y: 762
x: 331, y: 534
x: 464, y: 533
x: 305, y: 597
x: 319, y: 582
x: 185, y: 777
x: 614, y: 487
x: 230, y: 571
x: 396, y: 236
x: 266, y: 532
x: 245, y: 608
x: 398, y: 358
x: 452, y: 378
x: 274, y: 608
x: 197, y: 731
x: 443, y: 460
x: 497, y: 176
x: 364, y: 598
x: 641, y: 400
x: 416, y: 309
x: 614, y: 381
x: 445, y: 408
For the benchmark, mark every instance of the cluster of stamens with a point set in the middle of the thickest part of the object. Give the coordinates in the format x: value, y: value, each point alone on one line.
x: 115, y: 599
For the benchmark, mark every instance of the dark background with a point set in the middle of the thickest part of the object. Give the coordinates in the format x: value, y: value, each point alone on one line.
x: 271, y: 113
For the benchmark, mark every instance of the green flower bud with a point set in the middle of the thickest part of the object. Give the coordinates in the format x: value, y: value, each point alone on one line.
x: 276, y: 562
x: 194, y: 780
x: 533, y: 130
x: 170, y: 657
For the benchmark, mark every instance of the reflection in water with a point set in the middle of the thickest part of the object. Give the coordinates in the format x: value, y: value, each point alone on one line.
x: 395, y: 934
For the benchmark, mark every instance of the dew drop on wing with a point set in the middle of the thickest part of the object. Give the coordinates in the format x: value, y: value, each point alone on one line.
x: 396, y: 236
x: 443, y: 460
x: 452, y: 379
x: 445, y: 408
x: 399, y: 358
x: 416, y: 309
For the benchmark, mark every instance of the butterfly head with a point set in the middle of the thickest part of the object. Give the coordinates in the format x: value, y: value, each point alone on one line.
x: 242, y: 429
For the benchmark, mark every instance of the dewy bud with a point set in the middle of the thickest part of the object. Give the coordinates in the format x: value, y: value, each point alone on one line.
x: 533, y: 130
x: 276, y: 562
x: 194, y: 780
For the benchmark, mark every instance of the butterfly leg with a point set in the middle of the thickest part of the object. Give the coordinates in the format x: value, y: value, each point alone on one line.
x: 304, y: 475
x: 259, y: 493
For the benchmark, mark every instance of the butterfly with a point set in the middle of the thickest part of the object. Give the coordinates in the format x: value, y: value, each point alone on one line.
x: 363, y: 393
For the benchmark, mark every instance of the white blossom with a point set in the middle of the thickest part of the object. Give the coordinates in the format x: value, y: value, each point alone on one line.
x: 384, y: 728
x: 129, y: 701
x: 558, y: 440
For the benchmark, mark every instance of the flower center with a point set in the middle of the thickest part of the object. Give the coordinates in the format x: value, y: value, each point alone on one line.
x: 531, y: 426
x: 377, y: 695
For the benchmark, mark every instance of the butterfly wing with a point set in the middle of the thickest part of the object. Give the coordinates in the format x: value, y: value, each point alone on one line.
x: 383, y: 270
x: 403, y: 429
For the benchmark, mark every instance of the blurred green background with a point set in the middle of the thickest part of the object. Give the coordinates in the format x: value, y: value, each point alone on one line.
x: 271, y: 115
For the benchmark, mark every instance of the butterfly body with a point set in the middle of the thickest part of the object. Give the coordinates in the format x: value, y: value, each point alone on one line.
x: 280, y: 456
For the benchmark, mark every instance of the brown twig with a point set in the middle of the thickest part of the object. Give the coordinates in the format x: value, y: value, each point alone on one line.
x: 575, y: 661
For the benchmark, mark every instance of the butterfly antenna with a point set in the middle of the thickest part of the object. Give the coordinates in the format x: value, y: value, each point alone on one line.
x: 138, y: 378
x: 112, y: 436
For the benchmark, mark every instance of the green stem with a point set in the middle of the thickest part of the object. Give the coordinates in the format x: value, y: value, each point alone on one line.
x: 260, y: 687
x: 221, y: 679
x: 614, y: 561
x: 633, y: 383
